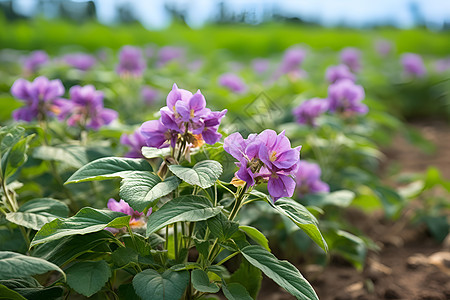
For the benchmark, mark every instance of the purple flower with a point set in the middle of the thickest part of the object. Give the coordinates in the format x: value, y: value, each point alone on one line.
x: 308, y: 179
x: 307, y: 112
x: 86, y: 108
x: 135, y: 141
x: 80, y: 61
x: 383, y: 47
x: 265, y: 157
x: 185, y: 116
x: 260, y: 65
x: 345, y: 96
x: 136, y: 221
x: 195, y: 65
x: 149, y: 94
x: 41, y: 97
x: 292, y: 59
x: 168, y: 54
x: 233, y: 82
x: 413, y: 65
x: 34, y: 61
x: 131, y: 62
x: 351, y: 57
x: 335, y: 73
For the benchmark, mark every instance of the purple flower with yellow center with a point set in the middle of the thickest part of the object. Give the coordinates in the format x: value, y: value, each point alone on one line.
x: 345, y: 96
x: 308, y: 111
x: 41, y: 98
x: 149, y: 94
x: 233, y: 82
x: 351, y: 58
x: 80, y: 61
x: 137, y: 218
x: 34, y: 61
x: 157, y: 135
x: 131, y: 62
x: 308, y: 179
x: 265, y: 157
x: 335, y: 73
x: 86, y: 108
x: 135, y: 141
x: 413, y: 65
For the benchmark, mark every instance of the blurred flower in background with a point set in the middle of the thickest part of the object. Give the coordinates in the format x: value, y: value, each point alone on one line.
x: 308, y: 179
x: 34, y: 61
x: 335, y: 73
x: 131, y: 62
x: 307, y: 112
x: 233, y: 82
x: 80, y: 61
x: 351, y: 57
x: 413, y: 65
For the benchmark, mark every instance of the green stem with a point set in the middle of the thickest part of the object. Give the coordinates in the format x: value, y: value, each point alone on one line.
x: 175, y: 240
x: 227, y: 258
x: 11, y: 201
x: 133, y: 239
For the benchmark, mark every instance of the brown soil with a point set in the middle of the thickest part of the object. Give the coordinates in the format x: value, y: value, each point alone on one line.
x: 410, y: 264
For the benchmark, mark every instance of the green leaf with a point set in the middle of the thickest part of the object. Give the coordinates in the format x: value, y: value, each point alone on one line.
x: 341, y: 198
x: 182, y: 209
x: 15, y: 157
x: 88, y: 277
x: 37, y: 212
x: 235, y: 291
x: 66, y: 249
x: 15, y: 265
x: 169, y: 285
x: 9, y: 136
x: 391, y: 200
x: 249, y: 276
x: 125, y: 256
x: 221, y: 227
x: 87, y: 220
x: 282, y: 272
x: 302, y: 218
x: 141, y: 189
x: 7, y: 294
x: 109, y: 168
x: 72, y: 155
x: 256, y: 235
x: 30, y: 288
x: 200, y: 281
x: 150, y: 152
x: 203, y: 174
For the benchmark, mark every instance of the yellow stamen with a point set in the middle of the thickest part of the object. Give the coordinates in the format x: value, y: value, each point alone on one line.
x: 273, y: 156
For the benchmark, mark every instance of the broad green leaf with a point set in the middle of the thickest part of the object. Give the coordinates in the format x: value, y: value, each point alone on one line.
x: 182, y: 209
x: 7, y: 294
x: 150, y: 152
x: 30, y: 288
x: 341, y: 198
x: 12, y: 240
x: 201, y: 282
x: 15, y: 157
x: 221, y: 227
x: 37, y: 212
x: 15, y: 265
x: 109, y: 168
x: 392, y: 201
x: 87, y: 220
x: 126, y: 291
x: 302, y: 218
x: 349, y: 246
x: 64, y: 250
x: 9, y: 136
x: 282, y: 272
x: 141, y: 189
x: 203, y: 174
x: 249, y: 276
x: 235, y: 291
x: 72, y: 155
x: 88, y: 277
x: 256, y: 235
x: 170, y: 285
x: 125, y: 256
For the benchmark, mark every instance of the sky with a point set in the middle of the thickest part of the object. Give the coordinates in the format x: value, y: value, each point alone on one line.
x: 330, y: 13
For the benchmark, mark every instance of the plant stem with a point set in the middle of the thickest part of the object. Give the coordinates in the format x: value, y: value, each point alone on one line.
x: 175, y: 240
x: 227, y: 258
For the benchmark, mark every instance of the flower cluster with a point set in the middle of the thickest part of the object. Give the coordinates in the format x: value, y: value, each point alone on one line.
x: 336, y: 73
x: 137, y: 218
x: 185, y: 118
x: 292, y: 59
x: 233, y: 82
x: 85, y: 108
x: 351, y: 58
x: 34, y: 61
x: 149, y: 94
x: 265, y: 157
x: 80, y: 61
x: 346, y: 96
x: 41, y: 97
x: 131, y: 62
x: 307, y: 112
x: 308, y: 179
x: 413, y: 65
x: 168, y: 54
